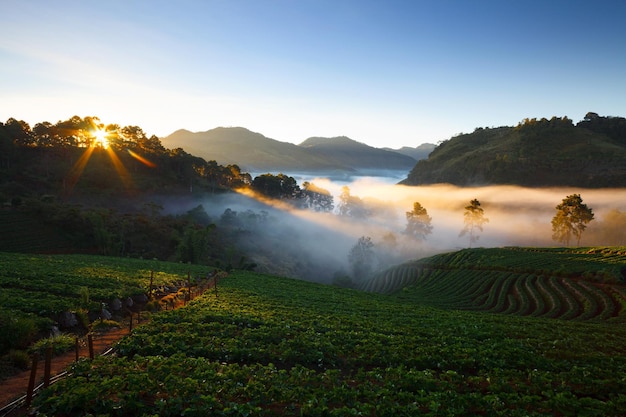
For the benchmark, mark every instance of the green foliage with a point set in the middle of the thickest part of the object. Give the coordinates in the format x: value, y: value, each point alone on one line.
x: 19, y: 359
x: 279, y: 186
x: 473, y: 218
x: 274, y: 346
x: 571, y: 219
x: 103, y: 325
x: 535, y: 153
x: 35, y: 289
x: 418, y: 222
x: 581, y: 284
x: 60, y: 343
x: 17, y: 331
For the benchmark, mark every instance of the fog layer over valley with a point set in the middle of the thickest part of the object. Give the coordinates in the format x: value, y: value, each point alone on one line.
x: 284, y: 240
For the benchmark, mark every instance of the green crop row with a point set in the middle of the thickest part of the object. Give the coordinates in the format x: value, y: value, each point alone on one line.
x: 581, y: 284
x: 275, y: 346
x: 35, y: 289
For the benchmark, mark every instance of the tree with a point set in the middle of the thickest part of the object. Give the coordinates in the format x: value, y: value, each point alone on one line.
x: 279, y: 186
x: 474, y: 218
x: 571, y: 218
x: 351, y: 206
x: 316, y: 198
x: 418, y: 222
x: 361, y: 258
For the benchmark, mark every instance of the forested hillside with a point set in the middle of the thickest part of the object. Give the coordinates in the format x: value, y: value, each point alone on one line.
x: 536, y: 153
x: 79, y: 186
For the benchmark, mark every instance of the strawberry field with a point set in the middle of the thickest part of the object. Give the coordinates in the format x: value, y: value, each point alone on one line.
x: 569, y: 284
x: 36, y: 289
x: 274, y: 346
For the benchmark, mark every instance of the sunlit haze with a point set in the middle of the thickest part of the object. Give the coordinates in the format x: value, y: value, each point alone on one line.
x: 395, y: 73
x: 320, y: 242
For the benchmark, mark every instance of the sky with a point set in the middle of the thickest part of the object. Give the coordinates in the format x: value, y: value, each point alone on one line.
x: 386, y: 73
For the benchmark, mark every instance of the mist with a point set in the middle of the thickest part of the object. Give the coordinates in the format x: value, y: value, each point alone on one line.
x: 286, y: 241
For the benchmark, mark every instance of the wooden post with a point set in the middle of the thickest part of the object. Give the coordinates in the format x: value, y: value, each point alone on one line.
x: 90, y: 342
x: 47, y: 366
x: 188, y: 294
x: 77, y: 346
x: 31, y: 381
x: 151, y: 282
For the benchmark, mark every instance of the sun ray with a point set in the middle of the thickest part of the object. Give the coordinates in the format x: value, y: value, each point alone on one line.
x: 142, y: 159
x: 120, y: 168
x: 77, y: 170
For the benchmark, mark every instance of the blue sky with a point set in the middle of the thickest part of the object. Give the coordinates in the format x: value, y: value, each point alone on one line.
x: 386, y: 73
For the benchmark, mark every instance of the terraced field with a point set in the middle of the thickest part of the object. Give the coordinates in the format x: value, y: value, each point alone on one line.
x: 568, y: 284
x: 270, y: 346
x: 36, y: 290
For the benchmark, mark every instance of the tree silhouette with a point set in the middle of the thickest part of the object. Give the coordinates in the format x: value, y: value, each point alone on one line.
x: 350, y: 205
x: 571, y: 218
x: 361, y: 258
x: 474, y: 218
x: 418, y: 222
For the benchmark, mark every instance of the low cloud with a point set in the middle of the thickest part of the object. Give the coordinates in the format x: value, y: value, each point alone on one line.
x: 315, y: 246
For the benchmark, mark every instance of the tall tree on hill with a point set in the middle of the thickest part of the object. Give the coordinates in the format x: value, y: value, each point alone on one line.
x: 316, y: 198
x: 351, y: 206
x: 418, y: 222
x: 571, y: 219
x: 281, y: 186
x: 361, y: 258
x: 474, y: 218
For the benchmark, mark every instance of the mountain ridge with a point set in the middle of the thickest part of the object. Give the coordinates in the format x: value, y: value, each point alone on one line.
x: 535, y: 153
x: 255, y: 152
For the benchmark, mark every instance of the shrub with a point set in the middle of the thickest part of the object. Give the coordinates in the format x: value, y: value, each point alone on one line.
x: 104, y: 325
x: 16, y: 333
x: 153, y: 306
x: 60, y: 344
x: 19, y: 359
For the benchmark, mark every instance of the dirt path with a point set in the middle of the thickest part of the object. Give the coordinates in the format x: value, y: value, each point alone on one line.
x: 16, y: 386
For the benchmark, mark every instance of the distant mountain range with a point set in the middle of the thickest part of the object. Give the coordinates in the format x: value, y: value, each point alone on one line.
x: 535, y: 153
x: 254, y: 152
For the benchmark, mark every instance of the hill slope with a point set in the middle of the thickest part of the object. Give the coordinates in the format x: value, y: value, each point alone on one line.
x: 256, y: 153
x: 568, y: 284
x: 251, y: 151
x: 357, y: 155
x: 418, y: 153
x: 535, y: 153
x: 267, y: 346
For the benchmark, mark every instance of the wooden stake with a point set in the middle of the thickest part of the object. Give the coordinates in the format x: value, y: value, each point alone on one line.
x: 47, y: 366
x: 90, y: 342
x: 31, y: 381
x: 151, y: 281
x: 77, y: 346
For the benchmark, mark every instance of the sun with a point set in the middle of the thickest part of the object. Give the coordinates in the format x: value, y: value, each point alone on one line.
x: 101, y: 138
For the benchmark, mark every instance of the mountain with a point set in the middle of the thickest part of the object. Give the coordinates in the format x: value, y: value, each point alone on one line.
x: 251, y: 151
x: 254, y: 152
x: 542, y: 152
x: 418, y: 153
x: 357, y: 155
